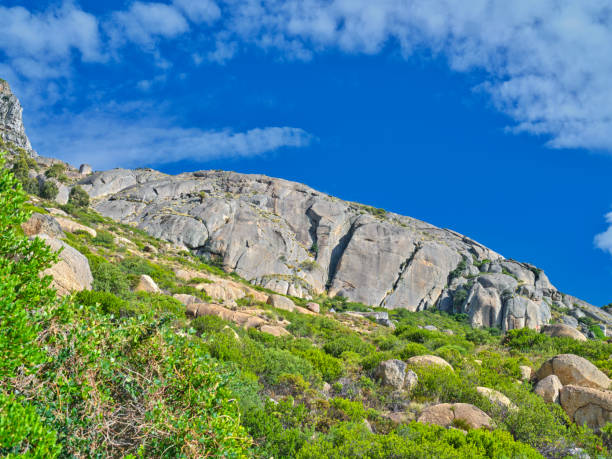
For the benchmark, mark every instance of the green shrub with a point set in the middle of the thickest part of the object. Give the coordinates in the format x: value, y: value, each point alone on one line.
x: 104, y: 238
x: 48, y: 190
x: 208, y: 324
x: 78, y: 197
x: 108, y: 303
x: 108, y: 277
x: 329, y: 367
x: 23, y: 433
x: 412, y: 349
x: 350, y: 343
x: 56, y: 171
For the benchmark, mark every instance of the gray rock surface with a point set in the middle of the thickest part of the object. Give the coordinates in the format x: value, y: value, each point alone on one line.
x: 391, y: 373
x: 297, y: 241
x: 548, y: 388
x: 11, y: 123
x: 71, y: 273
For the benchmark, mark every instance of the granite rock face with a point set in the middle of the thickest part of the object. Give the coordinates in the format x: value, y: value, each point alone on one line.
x: 295, y: 240
x: 11, y: 124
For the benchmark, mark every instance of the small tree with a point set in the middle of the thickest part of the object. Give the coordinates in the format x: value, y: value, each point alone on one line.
x: 78, y: 197
x: 49, y: 190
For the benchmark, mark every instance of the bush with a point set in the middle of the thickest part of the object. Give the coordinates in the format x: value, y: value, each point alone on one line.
x: 329, y: 367
x: 109, y: 278
x: 104, y: 238
x: 48, y: 190
x: 78, y: 197
x: 208, y: 324
x: 351, y: 343
x: 56, y: 171
x: 107, y: 302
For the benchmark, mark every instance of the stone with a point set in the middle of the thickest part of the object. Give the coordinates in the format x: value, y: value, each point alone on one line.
x: 448, y: 331
x: 585, y: 405
x: 246, y: 320
x: 186, y: 299
x: 274, y: 330
x: 314, y: 307
x: 428, y: 360
x: 146, y: 284
x: 71, y: 273
x: 56, y: 212
x: 391, y: 373
x: 411, y: 380
x: 548, y: 388
x: 85, y: 169
x: 569, y: 320
x: 71, y: 226
x: 42, y: 224
x: 575, y: 370
x: 562, y: 330
x: 497, y: 397
x: 456, y: 415
x: 430, y: 327
x: 526, y: 372
x: 281, y: 302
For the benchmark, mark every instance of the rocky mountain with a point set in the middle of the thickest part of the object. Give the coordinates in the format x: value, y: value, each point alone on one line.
x: 292, y: 239
x: 11, y: 124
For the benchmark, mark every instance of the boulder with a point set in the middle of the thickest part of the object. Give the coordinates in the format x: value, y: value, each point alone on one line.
x: 222, y: 290
x: 281, y: 302
x: 71, y: 273
x: 85, y: 169
x: 456, y: 415
x: 243, y: 319
x: 572, y: 369
x: 186, y: 299
x: 274, y: 330
x: 562, y: 330
x: 146, y: 284
x: 391, y: 373
x: 314, y: 307
x: 71, y: 226
x: 497, y: 397
x: 586, y: 405
x: 548, y: 388
x: 430, y: 327
x: 42, y: 224
x: 428, y: 360
x: 526, y: 372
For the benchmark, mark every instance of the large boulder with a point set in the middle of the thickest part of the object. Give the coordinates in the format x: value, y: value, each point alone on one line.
x: 146, y: 284
x: 71, y: 226
x: 428, y: 360
x: 71, y: 273
x: 281, y: 302
x: 497, y: 398
x: 572, y: 369
x: 585, y: 405
x: 42, y: 224
x: 393, y: 373
x: 456, y: 415
x: 562, y: 330
x: 548, y: 388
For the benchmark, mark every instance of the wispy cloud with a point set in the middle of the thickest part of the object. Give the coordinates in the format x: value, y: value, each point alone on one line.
x: 105, y: 139
x: 603, y: 240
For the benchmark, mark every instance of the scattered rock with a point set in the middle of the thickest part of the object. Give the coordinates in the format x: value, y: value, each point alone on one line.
x: 526, y: 372
x: 186, y: 299
x: 391, y: 373
x: 42, y: 224
x: 54, y: 211
x: 71, y: 226
x: 585, y: 405
x: 572, y: 369
x: 548, y: 388
x: 448, y: 415
x: 428, y: 360
x: 314, y: 307
x: 281, y: 302
x: 497, y: 397
x: 274, y: 330
x: 562, y: 330
x: 71, y: 273
x: 430, y: 328
x: 146, y: 284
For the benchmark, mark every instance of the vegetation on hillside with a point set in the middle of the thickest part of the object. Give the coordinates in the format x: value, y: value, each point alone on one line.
x: 113, y: 372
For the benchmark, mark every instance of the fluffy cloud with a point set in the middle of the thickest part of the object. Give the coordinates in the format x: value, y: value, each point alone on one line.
x: 603, y: 240
x: 39, y: 46
x: 105, y: 139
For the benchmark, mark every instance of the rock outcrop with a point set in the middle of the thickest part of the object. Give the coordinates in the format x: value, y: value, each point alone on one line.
x: 11, y: 123
x: 295, y: 240
x: 71, y: 273
x: 458, y: 415
x: 586, y: 405
x: 563, y: 330
x: 42, y: 224
x: 573, y: 369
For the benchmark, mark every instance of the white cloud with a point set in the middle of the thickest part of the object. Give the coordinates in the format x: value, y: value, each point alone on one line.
x: 546, y: 63
x: 39, y: 46
x: 603, y: 240
x: 199, y: 10
x: 105, y: 138
x: 143, y: 23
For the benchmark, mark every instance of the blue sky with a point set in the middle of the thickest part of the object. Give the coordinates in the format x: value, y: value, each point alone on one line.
x: 492, y: 121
